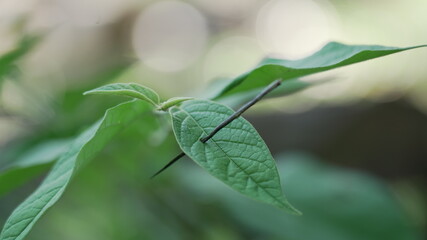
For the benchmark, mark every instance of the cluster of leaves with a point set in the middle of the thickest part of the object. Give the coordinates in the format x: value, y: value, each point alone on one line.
x: 236, y: 155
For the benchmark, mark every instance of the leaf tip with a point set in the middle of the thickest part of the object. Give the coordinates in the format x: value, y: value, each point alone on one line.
x: 91, y: 92
x: 290, y: 209
x: 296, y: 212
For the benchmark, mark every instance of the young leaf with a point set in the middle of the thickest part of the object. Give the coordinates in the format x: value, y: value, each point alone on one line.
x: 81, y: 151
x: 129, y: 90
x: 236, y: 155
x: 332, y: 55
x: 172, y: 102
x: 32, y: 163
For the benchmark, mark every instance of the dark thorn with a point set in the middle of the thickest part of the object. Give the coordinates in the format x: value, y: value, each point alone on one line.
x: 169, y: 164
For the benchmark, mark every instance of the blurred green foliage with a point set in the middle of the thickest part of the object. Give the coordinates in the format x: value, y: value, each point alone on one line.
x: 8, y: 60
x: 337, y: 204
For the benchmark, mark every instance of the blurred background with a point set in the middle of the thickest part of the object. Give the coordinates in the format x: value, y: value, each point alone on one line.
x: 351, y: 152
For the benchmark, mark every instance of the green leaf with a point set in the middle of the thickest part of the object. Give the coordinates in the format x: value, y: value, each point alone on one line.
x: 81, y: 151
x: 332, y: 55
x: 236, y: 155
x: 129, y: 90
x: 172, y: 102
x: 32, y: 163
x: 15, y: 177
x: 290, y: 87
x: 8, y: 60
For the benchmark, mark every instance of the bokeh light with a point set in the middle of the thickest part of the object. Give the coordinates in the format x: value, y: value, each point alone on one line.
x: 169, y: 35
x: 231, y: 56
x: 293, y: 28
x: 93, y: 13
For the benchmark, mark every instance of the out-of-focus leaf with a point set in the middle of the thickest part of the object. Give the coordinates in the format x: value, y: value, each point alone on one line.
x: 8, y: 59
x: 81, y: 151
x: 32, y: 163
x: 290, y: 87
x: 236, y: 155
x: 130, y: 90
x: 337, y: 204
x: 332, y: 55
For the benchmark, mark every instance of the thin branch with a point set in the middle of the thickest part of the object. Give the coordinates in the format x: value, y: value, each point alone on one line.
x: 227, y: 121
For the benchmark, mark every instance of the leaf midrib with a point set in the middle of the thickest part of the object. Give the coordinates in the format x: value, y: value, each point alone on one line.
x: 134, y: 89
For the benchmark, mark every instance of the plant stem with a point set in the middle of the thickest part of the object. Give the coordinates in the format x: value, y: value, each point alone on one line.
x: 227, y: 121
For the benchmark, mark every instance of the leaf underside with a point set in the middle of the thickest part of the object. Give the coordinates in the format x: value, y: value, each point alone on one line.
x: 236, y: 155
x: 82, y: 150
x: 292, y: 86
x: 129, y: 90
x: 332, y: 55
